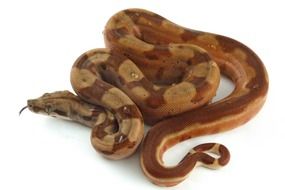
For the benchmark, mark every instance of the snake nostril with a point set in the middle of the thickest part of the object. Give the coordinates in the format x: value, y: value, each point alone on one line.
x: 30, y: 104
x: 31, y: 107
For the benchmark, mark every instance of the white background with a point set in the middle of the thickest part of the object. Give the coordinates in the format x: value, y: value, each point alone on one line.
x: 39, y: 41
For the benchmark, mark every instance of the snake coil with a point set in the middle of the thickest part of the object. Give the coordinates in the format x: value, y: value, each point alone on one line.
x: 165, y: 75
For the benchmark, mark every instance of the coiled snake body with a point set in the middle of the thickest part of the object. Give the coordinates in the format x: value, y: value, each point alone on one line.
x: 166, y: 75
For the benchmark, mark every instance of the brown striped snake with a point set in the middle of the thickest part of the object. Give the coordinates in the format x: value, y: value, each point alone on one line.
x: 166, y: 75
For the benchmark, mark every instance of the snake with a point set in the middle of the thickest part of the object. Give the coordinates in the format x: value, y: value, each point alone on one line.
x: 156, y: 72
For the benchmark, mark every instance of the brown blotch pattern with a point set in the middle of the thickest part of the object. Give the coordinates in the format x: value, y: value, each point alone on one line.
x: 146, y: 41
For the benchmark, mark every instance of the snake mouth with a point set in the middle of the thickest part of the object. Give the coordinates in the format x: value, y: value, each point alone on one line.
x: 31, y: 107
x: 34, y: 106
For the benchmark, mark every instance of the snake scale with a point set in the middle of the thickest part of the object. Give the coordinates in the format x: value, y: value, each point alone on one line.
x: 165, y: 75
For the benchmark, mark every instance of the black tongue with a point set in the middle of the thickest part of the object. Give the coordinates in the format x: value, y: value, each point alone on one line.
x: 22, y: 110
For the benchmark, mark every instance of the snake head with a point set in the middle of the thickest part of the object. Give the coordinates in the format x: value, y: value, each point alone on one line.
x: 56, y: 104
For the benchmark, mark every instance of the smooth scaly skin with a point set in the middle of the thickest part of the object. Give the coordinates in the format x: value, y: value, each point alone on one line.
x: 234, y: 59
x: 175, y: 59
x: 87, y: 79
x: 114, y: 139
x: 65, y: 105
